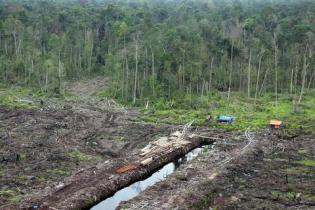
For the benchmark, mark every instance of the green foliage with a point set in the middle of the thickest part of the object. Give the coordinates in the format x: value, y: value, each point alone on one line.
x: 76, y: 154
x: 104, y: 93
x: 247, y: 112
x: 298, y: 170
x: 286, y: 195
x: 59, y: 172
x: 71, y: 97
x: 11, y: 195
x: 178, y: 43
x: 310, y: 163
x: 309, y: 197
x: 18, y: 97
x: 23, y: 97
x: 120, y: 138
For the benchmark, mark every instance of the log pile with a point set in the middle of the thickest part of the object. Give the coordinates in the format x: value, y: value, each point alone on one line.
x: 103, y: 183
x: 154, y: 149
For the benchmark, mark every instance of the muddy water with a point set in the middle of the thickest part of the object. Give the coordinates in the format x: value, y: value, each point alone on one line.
x: 136, y: 188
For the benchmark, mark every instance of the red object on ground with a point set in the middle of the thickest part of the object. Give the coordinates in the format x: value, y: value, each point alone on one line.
x: 276, y: 124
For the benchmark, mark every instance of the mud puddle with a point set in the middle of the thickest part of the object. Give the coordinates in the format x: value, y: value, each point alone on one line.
x: 136, y: 188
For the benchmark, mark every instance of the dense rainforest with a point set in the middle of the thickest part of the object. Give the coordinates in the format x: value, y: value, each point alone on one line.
x: 160, y: 49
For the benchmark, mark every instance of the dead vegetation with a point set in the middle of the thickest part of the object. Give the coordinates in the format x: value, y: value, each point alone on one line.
x: 40, y: 148
x: 270, y: 173
x: 72, y: 154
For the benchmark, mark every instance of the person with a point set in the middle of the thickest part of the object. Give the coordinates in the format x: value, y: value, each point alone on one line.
x: 209, y: 117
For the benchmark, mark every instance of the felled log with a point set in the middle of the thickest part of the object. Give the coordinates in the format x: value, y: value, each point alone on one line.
x: 128, y: 167
x: 146, y: 161
x: 84, y: 191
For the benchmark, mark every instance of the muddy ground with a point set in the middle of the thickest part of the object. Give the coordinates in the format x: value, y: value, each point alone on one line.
x: 40, y: 148
x: 44, y: 150
x: 269, y: 173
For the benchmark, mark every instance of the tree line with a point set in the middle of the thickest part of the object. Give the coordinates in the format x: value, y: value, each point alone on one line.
x: 161, y: 49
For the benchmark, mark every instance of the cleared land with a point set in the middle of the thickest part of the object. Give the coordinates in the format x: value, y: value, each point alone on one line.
x: 75, y: 147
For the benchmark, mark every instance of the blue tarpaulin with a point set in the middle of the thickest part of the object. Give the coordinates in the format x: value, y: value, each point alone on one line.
x: 225, y: 118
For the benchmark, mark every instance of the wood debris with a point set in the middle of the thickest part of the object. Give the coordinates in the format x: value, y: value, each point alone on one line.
x: 128, y: 167
x: 174, y: 141
x: 146, y: 161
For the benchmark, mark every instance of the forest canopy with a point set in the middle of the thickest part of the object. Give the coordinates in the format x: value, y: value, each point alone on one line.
x: 167, y: 48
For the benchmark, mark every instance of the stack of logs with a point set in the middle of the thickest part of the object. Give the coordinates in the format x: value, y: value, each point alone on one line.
x: 153, y: 150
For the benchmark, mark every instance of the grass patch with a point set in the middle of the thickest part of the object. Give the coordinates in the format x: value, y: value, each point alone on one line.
x: 11, y: 195
x: 290, y: 194
x: 310, y: 163
x: 104, y: 93
x: 59, y: 172
x: 120, y: 138
x: 283, y: 195
x: 76, y: 154
x: 309, y: 197
x: 29, y: 98
x: 243, y: 183
x: 302, y: 151
x: 246, y: 112
x: 17, y: 97
x: 298, y: 170
x: 71, y: 97
x: 204, y: 201
x: 41, y: 179
x: 23, y: 156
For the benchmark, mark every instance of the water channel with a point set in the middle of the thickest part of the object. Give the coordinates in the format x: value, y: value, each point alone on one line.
x: 136, y: 188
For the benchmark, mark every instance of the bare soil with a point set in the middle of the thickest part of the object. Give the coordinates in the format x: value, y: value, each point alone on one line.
x: 39, y: 149
x: 268, y: 174
x: 74, y: 147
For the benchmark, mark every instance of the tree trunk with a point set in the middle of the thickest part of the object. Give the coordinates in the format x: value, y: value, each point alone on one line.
x: 136, y: 74
x: 127, y: 78
x: 211, y: 72
x: 258, y: 77
x: 304, y: 73
x: 311, y: 80
x: 291, y: 81
x: 59, y: 75
x: 231, y: 70
x: 31, y: 71
x: 90, y: 58
x: 276, y: 68
x: 263, y: 82
x: 15, y: 43
x: 249, y: 73
x: 203, y: 88
x: 190, y: 86
x: 153, y: 73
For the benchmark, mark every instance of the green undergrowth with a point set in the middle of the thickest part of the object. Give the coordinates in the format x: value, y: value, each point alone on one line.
x: 283, y: 195
x: 11, y: 195
x: 29, y: 98
x: 248, y: 113
x: 298, y: 170
x: 310, y: 163
x: 120, y: 138
x: 80, y: 156
x: 18, y: 97
x: 59, y: 172
x: 309, y: 197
